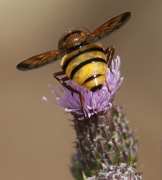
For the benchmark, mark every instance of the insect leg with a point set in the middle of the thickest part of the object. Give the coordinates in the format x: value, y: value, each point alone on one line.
x: 110, y: 53
x: 62, y: 81
x: 58, y: 74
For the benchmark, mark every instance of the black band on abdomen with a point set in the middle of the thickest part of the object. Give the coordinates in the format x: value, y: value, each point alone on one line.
x: 85, y: 63
x: 92, y: 77
x: 79, y: 53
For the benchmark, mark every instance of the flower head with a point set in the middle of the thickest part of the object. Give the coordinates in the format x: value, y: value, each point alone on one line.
x: 106, y: 148
x: 94, y: 102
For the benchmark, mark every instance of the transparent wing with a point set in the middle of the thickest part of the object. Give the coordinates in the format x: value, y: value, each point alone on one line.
x: 40, y: 60
x: 109, y: 27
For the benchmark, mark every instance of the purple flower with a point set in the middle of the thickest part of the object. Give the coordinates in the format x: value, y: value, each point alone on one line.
x: 105, y: 145
x: 94, y: 102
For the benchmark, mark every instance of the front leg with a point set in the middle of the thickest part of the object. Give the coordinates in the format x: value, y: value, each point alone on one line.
x: 62, y: 81
x: 110, y: 53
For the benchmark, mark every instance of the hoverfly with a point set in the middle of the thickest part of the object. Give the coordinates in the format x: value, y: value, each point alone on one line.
x: 83, y: 58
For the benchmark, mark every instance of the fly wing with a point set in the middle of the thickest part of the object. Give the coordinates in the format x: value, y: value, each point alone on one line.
x: 109, y: 27
x: 39, y: 60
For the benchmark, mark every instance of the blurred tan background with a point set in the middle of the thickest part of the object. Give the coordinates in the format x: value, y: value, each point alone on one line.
x: 36, y: 137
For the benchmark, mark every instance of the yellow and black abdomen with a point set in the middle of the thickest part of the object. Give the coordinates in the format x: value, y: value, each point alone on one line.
x: 86, y: 66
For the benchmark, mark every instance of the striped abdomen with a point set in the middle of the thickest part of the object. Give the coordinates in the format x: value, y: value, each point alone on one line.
x: 86, y: 66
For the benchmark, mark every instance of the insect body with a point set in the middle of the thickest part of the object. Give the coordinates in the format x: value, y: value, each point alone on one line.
x: 83, y: 59
x: 86, y: 66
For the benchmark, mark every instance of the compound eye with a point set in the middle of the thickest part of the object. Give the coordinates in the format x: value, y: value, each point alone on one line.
x: 73, y: 38
x: 78, y: 29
